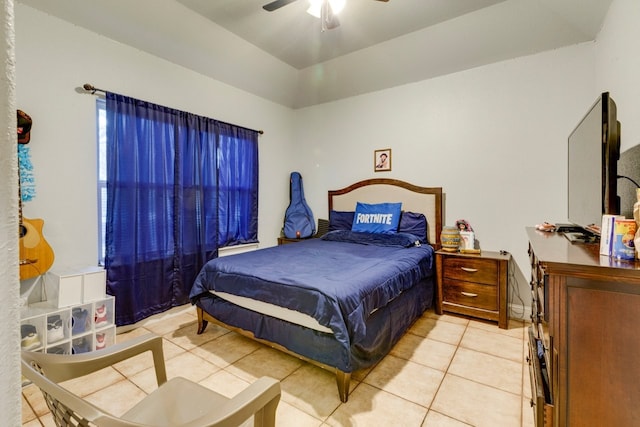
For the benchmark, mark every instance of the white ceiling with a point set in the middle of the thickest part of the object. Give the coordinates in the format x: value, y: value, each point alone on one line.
x: 284, y: 56
x: 295, y: 37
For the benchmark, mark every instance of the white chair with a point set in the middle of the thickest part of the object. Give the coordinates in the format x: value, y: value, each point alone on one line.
x: 177, y: 402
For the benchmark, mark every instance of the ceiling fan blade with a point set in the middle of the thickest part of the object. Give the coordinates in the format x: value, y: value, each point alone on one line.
x: 277, y: 4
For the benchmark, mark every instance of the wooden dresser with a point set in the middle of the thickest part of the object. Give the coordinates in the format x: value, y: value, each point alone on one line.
x: 473, y: 285
x: 584, y: 340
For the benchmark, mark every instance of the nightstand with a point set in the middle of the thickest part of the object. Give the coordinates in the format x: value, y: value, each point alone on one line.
x: 473, y: 285
x: 286, y: 240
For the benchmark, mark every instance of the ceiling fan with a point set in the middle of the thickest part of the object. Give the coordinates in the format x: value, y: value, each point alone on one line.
x: 327, y: 14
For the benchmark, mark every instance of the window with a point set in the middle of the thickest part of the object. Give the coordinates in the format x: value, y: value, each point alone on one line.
x: 101, y: 120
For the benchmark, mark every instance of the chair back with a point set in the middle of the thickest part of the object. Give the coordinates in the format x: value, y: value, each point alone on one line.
x: 174, y: 403
x: 67, y: 409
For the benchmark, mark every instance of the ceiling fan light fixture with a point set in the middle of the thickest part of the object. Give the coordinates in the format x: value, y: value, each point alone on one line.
x: 316, y: 5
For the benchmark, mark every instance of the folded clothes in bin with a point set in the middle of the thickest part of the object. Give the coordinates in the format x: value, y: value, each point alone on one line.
x: 79, y: 320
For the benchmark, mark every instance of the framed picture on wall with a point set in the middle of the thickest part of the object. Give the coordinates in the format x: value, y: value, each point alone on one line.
x: 382, y: 160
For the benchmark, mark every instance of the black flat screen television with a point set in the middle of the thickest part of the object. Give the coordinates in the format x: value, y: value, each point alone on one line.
x: 594, y: 150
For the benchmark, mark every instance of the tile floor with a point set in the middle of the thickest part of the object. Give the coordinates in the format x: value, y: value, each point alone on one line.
x: 446, y: 371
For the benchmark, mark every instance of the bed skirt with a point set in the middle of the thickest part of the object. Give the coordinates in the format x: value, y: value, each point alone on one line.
x: 384, y: 328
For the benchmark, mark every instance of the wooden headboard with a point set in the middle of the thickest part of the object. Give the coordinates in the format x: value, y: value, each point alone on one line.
x: 426, y: 200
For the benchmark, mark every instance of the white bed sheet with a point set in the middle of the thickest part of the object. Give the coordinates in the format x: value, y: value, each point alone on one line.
x: 272, y: 310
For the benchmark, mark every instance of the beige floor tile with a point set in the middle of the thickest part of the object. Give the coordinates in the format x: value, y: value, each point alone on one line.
x: 427, y: 352
x: 145, y: 379
x: 486, y: 381
x: 435, y: 419
x: 27, y: 412
x: 528, y: 419
x: 226, y: 349
x: 312, y: 390
x: 117, y: 398
x: 369, y: 406
x: 135, y: 364
x: 526, y: 381
x: 493, y: 343
x: 33, y: 395
x: 452, y: 318
x: 31, y: 423
x: 171, y: 323
x: 439, y: 330
x: 144, y: 361
x: 134, y: 333
x: 47, y: 420
x: 171, y: 350
x: 188, y: 337
x: 224, y: 383
x: 265, y: 362
x: 229, y: 385
x: 186, y: 365
x: 515, y: 328
x: 190, y: 366
x: 93, y: 382
x: 487, y: 369
x: 477, y: 404
x: 360, y: 374
x: 409, y: 380
x: 288, y: 415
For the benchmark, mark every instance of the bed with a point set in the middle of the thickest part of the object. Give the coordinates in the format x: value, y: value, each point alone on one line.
x: 340, y: 301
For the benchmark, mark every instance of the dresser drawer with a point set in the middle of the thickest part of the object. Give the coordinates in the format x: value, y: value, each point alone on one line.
x: 476, y: 270
x: 471, y: 294
x: 541, y: 401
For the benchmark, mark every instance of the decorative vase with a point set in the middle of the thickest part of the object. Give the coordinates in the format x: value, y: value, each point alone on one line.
x: 450, y: 238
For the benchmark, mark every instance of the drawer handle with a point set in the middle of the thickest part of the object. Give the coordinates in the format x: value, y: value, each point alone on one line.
x: 469, y: 270
x: 469, y: 294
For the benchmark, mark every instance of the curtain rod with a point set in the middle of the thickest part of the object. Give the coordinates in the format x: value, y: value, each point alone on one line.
x: 91, y: 88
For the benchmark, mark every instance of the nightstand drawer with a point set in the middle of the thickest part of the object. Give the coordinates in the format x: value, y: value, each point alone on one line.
x: 476, y: 270
x: 470, y: 294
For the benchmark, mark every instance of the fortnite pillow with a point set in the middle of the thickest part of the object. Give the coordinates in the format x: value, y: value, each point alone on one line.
x: 376, y: 218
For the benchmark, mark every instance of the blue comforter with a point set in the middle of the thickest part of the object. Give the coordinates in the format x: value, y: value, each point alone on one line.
x: 340, y: 280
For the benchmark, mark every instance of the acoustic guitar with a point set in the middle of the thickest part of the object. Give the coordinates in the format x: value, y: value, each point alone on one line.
x: 36, y: 255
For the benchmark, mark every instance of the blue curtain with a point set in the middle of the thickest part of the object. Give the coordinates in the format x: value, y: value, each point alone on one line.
x: 238, y: 185
x: 167, y: 212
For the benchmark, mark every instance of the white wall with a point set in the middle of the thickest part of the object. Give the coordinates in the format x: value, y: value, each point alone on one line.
x: 618, y: 66
x: 53, y: 64
x: 493, y: 137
